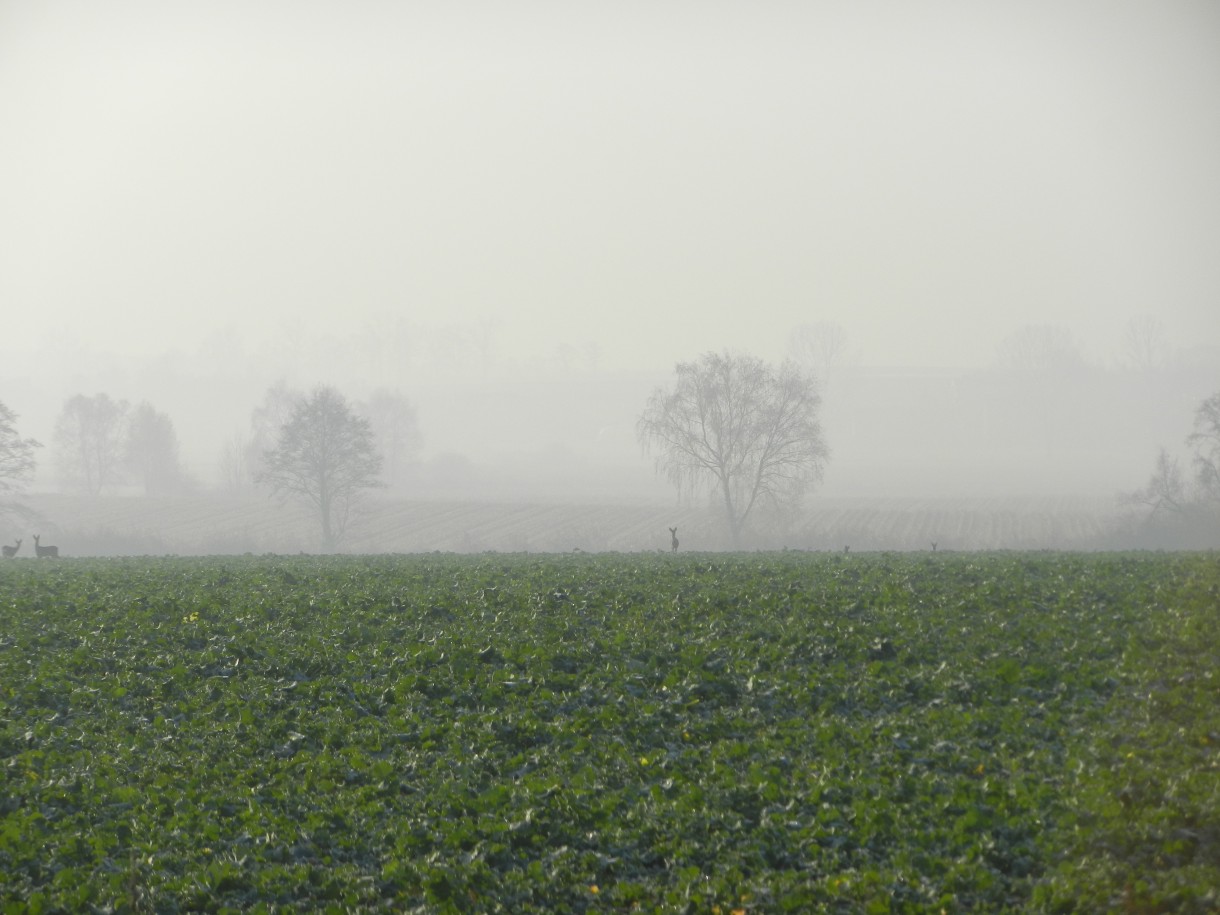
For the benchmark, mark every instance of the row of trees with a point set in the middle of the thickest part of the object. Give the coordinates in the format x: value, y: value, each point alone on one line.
x: 311, y: 447
x: 323, y: 452
x: 1045, y: 348
x: 101, y: 442
x: 741, y: 431
x: 745, y: 433
x: 734, y: 427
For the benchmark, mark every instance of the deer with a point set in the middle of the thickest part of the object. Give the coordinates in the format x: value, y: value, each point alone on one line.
x: 40, y: 551
x: 11, y: 551
x: 673, y: 535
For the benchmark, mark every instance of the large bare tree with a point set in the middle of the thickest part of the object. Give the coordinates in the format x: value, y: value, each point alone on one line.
x: 740, y: 428
x: 1145, y: 343
x: 91, y: 437
x: 325, y: 456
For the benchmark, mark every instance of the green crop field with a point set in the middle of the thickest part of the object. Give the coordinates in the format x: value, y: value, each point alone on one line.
x: 702, y: 733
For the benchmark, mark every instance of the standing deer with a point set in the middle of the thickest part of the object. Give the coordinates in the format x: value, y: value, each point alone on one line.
x: 40, y: 551
x: 11, y: 551
x: 673, y: 534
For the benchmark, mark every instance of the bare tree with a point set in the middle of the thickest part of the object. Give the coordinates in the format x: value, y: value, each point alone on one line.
x: 1205, y: 441
x: 90, y: 437
x: 1145, y: 345
x: 236, y: 474
x: 266, y: 421
x: 1188, y: 512
x: 16, y: 455
x: 1165, y: 491
x: 739, y: 428
x: 821, y: 346
x: 152, y: 451
x: 396, y: 431
x: 325, y: 456
x: 1040, y: 347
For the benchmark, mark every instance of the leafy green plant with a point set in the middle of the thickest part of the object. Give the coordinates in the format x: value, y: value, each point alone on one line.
x: 772, y: 732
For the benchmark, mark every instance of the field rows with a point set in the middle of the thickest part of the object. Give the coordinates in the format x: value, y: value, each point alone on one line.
x: 121, y: 526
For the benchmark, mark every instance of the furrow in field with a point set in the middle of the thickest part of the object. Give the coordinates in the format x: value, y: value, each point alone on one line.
x: 110, y: 526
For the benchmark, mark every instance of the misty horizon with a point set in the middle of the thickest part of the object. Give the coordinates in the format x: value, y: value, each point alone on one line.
x: 511, y: 431
x: 491, y: 212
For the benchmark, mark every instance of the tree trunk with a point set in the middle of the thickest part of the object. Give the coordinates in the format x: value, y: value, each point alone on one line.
x: 730, y: 513
x: 328, y: 539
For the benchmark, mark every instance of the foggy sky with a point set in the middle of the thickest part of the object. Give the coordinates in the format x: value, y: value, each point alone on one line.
x: 660, y: 179
x: 619, y: 186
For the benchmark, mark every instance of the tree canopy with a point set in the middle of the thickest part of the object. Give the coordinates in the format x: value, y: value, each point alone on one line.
x: 325, y: 456
x: 152, y: 451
